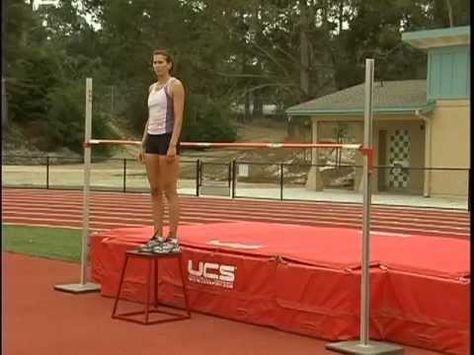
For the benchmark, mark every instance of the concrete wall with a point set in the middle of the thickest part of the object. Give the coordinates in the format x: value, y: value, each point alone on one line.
x: 450, y: 140
x: 324, y: 129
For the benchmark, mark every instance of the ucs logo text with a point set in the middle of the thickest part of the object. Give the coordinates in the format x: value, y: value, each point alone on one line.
x: 208, y: 273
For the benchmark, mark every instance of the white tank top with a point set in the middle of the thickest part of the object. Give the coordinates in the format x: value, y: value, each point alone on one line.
x: 160, y: 110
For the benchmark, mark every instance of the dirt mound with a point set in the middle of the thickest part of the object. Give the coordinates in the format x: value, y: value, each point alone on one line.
x: 19, y: 148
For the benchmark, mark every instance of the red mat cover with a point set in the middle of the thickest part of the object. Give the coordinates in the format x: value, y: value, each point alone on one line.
x: 307, y: 280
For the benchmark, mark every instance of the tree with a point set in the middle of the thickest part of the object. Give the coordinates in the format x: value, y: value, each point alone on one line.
x: 244, y: 52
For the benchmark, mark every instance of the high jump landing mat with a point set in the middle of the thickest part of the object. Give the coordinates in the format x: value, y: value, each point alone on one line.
x: 306, y: 280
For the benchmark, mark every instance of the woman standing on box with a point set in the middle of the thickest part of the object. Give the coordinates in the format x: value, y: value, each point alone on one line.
x: 160, y: 151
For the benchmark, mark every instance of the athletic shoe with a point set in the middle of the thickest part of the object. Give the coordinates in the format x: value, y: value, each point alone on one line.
x: 152, y: 243
x: 169, y: 245
x: 174, y: 245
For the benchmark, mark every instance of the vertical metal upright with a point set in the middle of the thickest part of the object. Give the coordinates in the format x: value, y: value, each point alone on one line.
x: 85, y: 285
x: 367, y: 200
x: 364, y: 345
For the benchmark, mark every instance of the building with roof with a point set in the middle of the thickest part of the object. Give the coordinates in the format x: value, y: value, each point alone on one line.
x: 421, y: 127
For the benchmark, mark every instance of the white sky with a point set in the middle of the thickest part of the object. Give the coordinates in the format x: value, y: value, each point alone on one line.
x: 96, y: 26
x: 88, y: 18
x: 36, y: 3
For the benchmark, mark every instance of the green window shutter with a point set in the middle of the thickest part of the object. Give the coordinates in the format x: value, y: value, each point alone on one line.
x: 449, y: 73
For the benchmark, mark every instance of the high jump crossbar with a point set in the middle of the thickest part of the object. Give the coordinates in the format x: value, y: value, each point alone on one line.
x: 234, y: 145
x: 365, y: 150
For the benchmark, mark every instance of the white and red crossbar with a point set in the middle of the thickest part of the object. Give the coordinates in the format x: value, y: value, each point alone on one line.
x: 364, y: 150
x: 235, y: 145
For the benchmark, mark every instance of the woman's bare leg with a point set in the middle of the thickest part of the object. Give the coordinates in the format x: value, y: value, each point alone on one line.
x: 170, y: 172
x: 152, y: 163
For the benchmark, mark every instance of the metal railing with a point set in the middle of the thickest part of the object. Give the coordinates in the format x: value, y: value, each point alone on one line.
x: 232, y: 178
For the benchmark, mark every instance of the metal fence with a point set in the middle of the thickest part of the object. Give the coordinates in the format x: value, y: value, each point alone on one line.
x: 234, y: 179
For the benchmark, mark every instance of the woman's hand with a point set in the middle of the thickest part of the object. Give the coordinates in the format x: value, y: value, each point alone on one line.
x: 141, y: 156
x: 171, y: 153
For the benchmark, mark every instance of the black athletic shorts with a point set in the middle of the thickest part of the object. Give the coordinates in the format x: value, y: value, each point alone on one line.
x: 159, y: 143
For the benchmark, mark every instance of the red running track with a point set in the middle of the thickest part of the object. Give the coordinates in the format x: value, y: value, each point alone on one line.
x: 57, y: 323
x: 63, y: 208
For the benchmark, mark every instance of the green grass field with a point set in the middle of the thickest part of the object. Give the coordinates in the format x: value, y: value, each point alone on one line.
x: 51, y: 243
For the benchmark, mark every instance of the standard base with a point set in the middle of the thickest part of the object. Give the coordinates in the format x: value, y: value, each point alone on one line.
x: 78, y: 288
x: 372, y: 348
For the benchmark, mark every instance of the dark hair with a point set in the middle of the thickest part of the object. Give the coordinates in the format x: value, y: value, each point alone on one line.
x: 165, y: 54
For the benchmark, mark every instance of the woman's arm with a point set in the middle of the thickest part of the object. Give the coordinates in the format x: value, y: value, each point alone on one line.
x: 141, y: 153
x: 145, y: 135
x: 178, y: 94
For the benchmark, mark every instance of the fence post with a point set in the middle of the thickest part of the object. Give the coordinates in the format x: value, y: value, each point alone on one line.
x: 281, y: 181
x: 198, y: 176
x: 234, y: 177
x: 47, y: 172
x: 125, y: 175
x: 469, y: 189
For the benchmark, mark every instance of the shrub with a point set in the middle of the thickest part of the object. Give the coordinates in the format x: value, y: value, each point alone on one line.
x: 207, y: 121
x: 66, y: 117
